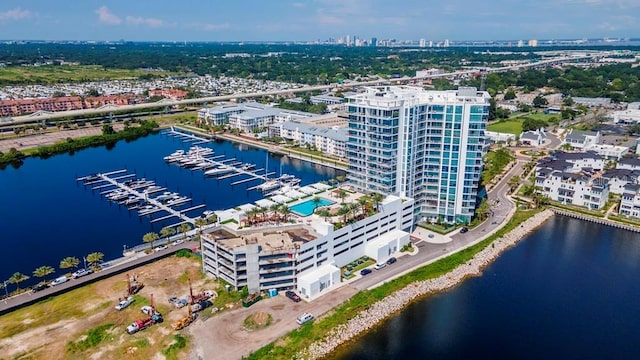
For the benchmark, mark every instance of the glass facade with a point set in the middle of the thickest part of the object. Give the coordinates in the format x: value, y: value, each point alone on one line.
x: 427, y: 145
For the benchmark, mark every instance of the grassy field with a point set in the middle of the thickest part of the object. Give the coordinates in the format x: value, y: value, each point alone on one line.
x: 54, y: 74
x: 507, y: 126
x: 295, y: 341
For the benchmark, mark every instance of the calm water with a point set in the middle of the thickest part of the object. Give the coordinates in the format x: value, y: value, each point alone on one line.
x: 569, y: 291
x: 46, y: 215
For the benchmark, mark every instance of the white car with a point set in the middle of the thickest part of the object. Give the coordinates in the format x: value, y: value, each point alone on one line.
x: 160, y: 248
x: 124, y: 303
x: 60, y: 280
x: 81, y: 272
x: 380, y: 265
x: 304, y: 318
x: 177, y: 242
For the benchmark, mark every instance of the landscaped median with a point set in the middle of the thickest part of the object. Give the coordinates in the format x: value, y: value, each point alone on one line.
x: 367, y: 308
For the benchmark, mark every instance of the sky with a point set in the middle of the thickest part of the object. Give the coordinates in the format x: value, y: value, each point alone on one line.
x: 300, y: 20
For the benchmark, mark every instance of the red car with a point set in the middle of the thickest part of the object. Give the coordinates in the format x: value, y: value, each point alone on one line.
x: 293, y: 296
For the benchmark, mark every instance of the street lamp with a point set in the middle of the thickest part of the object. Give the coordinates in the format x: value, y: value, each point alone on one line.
x: 6, y: 291
x: 85, y: 262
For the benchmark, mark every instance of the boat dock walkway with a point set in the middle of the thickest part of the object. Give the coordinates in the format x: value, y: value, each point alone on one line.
x: 104, y: 180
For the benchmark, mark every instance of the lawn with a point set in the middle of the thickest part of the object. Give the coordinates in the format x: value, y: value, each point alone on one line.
x: 507, y: 126
x: 50, y: 74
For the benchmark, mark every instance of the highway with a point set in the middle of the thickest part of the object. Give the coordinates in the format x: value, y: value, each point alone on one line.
x: 36, y: 117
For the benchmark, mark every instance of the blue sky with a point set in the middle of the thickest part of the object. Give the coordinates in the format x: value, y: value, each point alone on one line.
x: 263, y: 20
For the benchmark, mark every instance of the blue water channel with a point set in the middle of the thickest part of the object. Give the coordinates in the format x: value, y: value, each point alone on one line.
x: 570, y: 290
x: 46, y: 215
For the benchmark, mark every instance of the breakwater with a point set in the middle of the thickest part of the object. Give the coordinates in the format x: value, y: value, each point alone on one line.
x: 395, y: 302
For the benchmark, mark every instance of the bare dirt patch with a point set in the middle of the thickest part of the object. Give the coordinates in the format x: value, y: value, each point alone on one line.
x: 26, y: 333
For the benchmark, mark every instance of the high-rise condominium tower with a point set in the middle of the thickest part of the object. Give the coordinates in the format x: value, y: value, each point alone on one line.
x: 427, y: 145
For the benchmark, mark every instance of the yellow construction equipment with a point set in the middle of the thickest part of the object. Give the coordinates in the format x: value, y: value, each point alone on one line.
x: 185, y: 321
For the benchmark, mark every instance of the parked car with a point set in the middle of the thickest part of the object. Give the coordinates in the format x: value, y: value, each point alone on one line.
x: 391, y: 260
x: 177, y: 242
x: 39, y: 287
x: 124, y: 303
x: 81, y: 272
x: 304, y: 318
x: 60, y: 280
x: 380, y: 265
x: 464, y: 230
x: 364, y: 272
x: 160, y: 248
x: 293, y: 296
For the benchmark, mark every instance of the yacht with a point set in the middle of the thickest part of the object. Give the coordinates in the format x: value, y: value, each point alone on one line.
x: 167, y: 195
x: 247, y: 166
x: 174, y: 156
x: 223, y: 169
x: 269, y: 185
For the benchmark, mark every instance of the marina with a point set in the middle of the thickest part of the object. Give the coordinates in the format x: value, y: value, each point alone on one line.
x: 201, y: 158
x: 136, y: 194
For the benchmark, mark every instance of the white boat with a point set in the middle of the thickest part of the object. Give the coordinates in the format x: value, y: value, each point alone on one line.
x: 174, y: 156
x: 167, y: 195
x: 269, y: 185
x: 223, y: 169
x: 247, y: 166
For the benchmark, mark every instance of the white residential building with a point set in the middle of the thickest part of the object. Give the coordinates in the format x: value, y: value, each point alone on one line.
x: 305, y: 253
x: 497, y: 137
x: 572, y: 188
x: 248, y: 116
x: 608, y: 151
x: 628, y: 116
x: 330, y: 141
x: 581, y: 139
x: 630, y: 201
x: 427, y: 145
x: 573, y: 161
x: 629, y: 163
x: 619, y: 178
x: 533, y: 138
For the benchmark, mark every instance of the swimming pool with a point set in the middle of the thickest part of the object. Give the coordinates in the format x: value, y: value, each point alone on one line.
x: 306, y: 208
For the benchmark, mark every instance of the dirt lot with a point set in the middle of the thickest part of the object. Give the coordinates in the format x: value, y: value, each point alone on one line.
x: 36, y: 139
x: 61, y: 327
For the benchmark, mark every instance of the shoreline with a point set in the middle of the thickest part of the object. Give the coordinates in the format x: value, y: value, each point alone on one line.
x: 398, y: 300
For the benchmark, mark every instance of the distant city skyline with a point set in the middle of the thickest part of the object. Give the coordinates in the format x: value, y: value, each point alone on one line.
x: 309, y: 20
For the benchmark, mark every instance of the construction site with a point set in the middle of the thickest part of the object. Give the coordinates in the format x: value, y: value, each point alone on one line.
x: 138, y: 315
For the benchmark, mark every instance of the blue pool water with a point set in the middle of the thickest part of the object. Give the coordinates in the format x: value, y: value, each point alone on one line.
x: 306, y: 208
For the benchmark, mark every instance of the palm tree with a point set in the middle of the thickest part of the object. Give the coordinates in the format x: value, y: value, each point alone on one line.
x: 514, y: 181
x: 200, y: 222
x: 377, y: 199
x: 316, y: 202
x: 43, y: 271
x: 69, y: 262
x: 183, y: 228
x: 364, y: 204
x: 150, y: 237
x: 251, y: 215
x: 167, y: 231
x: 483, y: 209
x: 275, y: 208
x: 285, y: 211
x: 341, y: 179
x: 17, y: 278
x: 342, y: 195
x: 94, y: 258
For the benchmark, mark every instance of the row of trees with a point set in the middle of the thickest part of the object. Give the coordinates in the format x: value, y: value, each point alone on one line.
x: 168, y: 231
x: 92, y: 260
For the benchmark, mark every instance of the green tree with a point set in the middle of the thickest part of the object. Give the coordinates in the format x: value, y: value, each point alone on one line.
x: 568, y: 101
x: 69, y: 262
x: 94, y: 259
x: 341, y: 179
x: 43, y: 271
x: 530, y: 124
x: 316, y: 202
x: 342, y: 195
x: 107, y: 129
x: 510, y: 94
x: 539, y: 101
x: 377, y: 199
x: 285, y: 211
x: 514, y: 181
x: 184, y: 228
x: 483, y: 210
x: 17, y: 278
x: 167, y: 231
x: 150, y: 237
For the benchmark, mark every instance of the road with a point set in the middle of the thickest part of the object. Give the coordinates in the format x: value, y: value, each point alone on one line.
x: 35, y: 118
x: 28, y: 298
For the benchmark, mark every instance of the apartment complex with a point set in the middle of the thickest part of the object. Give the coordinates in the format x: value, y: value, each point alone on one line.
x: 330, y: 141
x: 63, y: 103
x: 248, y: 117
x: 630, y: 201
x: 304, y: 253
x: 426, y: 145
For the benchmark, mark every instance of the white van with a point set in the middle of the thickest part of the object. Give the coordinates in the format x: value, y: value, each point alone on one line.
x: 304, y: 318
x: 60, y: 280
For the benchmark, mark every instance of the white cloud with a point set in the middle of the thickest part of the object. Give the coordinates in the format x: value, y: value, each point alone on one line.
x: 107, y: 17
x: 138, y: 20
x: 15, y: 14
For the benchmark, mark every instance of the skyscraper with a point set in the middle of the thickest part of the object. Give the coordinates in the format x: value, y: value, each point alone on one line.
x: 374, y: 42
x: 427, y: 145
x: 423, y: 43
